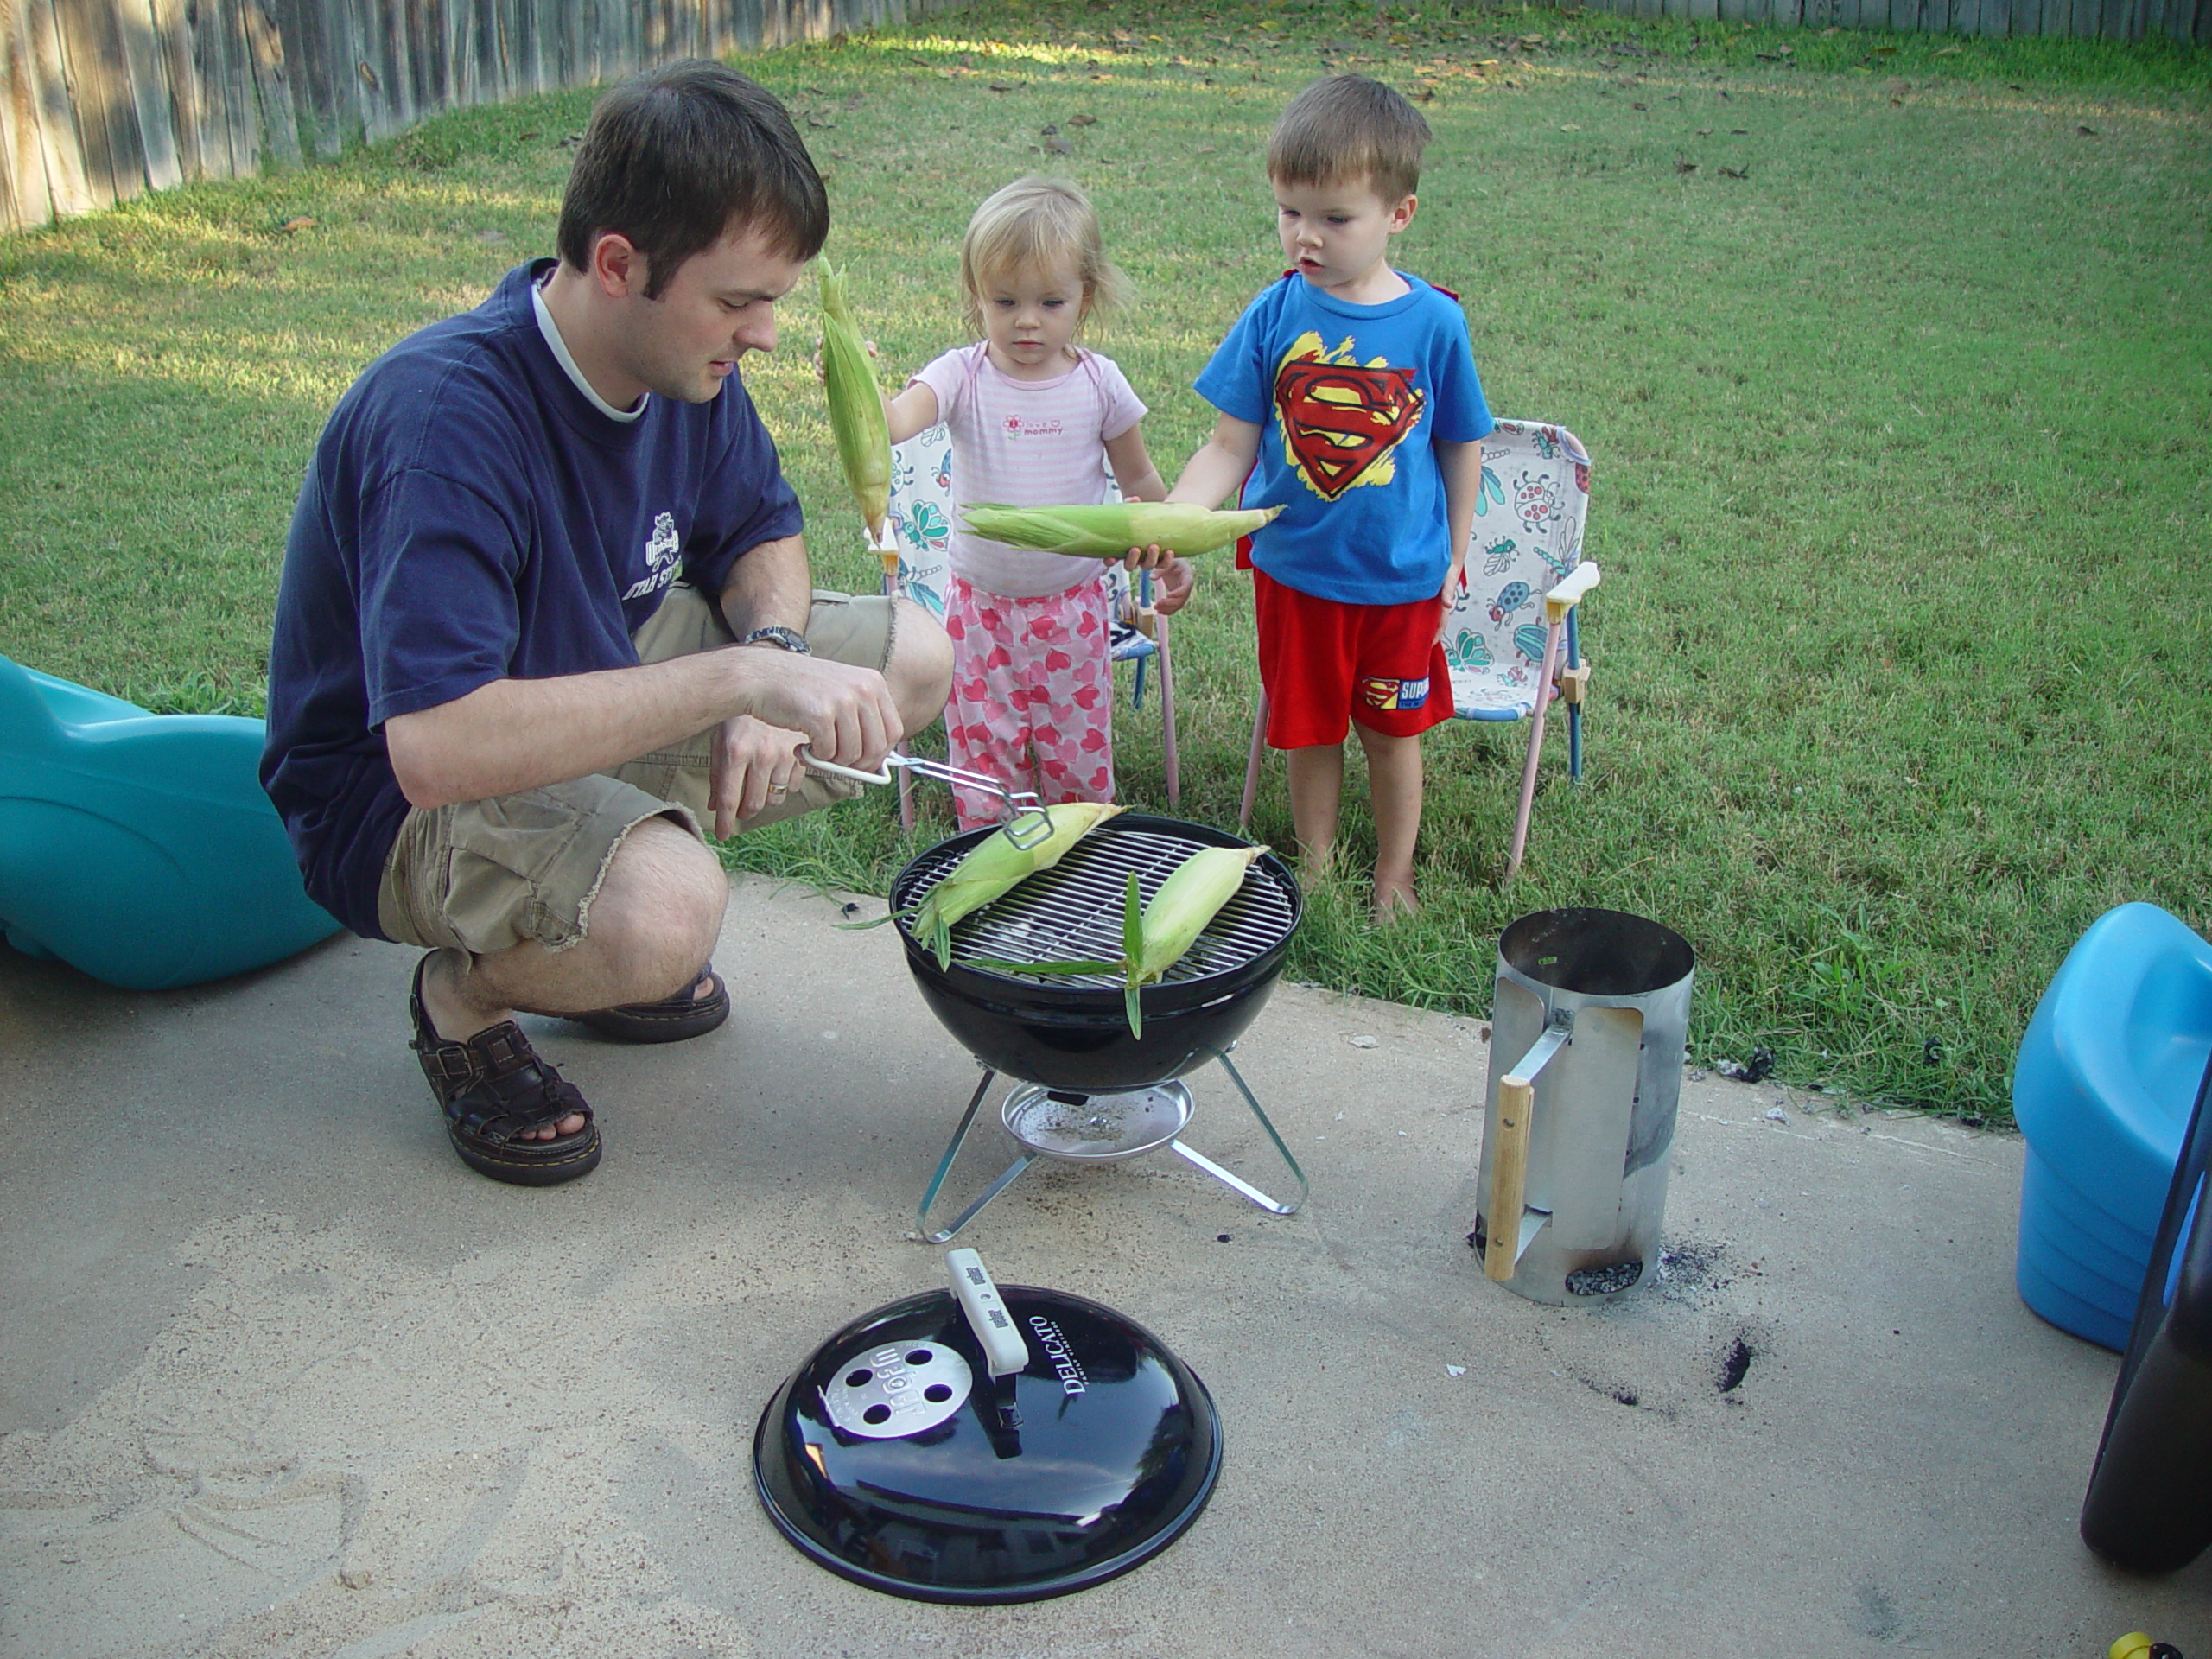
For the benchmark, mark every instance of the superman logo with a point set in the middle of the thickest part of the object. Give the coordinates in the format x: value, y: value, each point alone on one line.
x: 1394, y: 694
x: 1341, y: 420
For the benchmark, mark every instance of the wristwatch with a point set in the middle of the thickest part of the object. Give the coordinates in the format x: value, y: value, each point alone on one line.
x: 782, y: 639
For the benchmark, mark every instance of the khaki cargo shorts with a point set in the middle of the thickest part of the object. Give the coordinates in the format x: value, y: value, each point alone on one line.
x: 481, y: 875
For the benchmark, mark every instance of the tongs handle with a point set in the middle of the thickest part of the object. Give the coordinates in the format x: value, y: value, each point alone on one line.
x: 1028, y: 820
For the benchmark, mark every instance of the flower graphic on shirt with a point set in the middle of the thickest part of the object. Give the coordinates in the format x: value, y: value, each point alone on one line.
x: 1342, y: 419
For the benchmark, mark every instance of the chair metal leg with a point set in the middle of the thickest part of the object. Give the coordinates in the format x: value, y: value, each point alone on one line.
x: 1167, y: 717
x: 890, y: 558
x: 1535, y: 751
x: 1252, y: 763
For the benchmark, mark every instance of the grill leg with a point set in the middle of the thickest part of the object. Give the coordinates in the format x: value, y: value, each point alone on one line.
x: 944, y: 1168
x: 1235, y: 1183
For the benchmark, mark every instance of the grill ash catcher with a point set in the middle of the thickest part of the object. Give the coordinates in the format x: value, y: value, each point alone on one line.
x: 1084, y: 1088
x: 984, y: 1446
x: 1585, y: 1077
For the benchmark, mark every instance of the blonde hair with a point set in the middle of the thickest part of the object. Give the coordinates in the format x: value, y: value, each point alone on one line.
x: 1345, y: 127
x: 1036, y: 222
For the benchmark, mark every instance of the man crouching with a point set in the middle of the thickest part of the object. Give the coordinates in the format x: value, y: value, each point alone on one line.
x: 546, y: 610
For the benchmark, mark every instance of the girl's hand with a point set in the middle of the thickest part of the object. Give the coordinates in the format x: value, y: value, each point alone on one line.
x: 818, y: 373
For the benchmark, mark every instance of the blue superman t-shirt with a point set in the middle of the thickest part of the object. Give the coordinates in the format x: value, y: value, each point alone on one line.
x: 1351, y: 400
x: 468, y: 516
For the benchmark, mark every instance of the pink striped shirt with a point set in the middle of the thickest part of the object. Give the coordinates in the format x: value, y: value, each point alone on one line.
x: 1028, y: 443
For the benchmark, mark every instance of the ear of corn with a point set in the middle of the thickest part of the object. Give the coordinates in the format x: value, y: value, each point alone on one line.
x: 1154, y: 938
x: 856, y: 418
x: 993, y: 866
x: 1186, y: 901
x: 1112, y: 528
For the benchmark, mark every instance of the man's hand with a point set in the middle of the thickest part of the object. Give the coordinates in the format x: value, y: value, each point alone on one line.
x: 844, y: 713
x: 753, y: 765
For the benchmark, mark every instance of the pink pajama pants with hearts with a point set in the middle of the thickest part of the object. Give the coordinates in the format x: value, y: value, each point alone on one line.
x: 1033, y: 696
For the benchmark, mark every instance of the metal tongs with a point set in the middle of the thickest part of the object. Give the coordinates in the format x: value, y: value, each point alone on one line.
x: 1028, y: 820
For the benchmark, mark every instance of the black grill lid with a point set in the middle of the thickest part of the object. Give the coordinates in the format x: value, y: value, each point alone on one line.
x: 1116, y: 1452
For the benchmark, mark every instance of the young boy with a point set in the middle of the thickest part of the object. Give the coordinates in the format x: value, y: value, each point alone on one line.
x: 1349, y: 397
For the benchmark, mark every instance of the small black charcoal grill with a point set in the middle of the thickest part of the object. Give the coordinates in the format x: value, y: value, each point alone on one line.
x: 1086, y: 1089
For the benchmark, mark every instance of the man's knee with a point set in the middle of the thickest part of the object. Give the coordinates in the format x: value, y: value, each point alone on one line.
x: 919, y: 667
x: 664, y: 891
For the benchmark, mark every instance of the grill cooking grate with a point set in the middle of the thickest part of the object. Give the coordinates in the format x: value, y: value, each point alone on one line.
x: 1073, y: 910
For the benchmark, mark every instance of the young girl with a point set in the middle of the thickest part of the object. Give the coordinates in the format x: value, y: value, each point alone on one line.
x: 1036, y: 420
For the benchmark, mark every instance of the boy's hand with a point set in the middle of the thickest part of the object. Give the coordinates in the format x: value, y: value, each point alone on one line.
x: 1172, y: 582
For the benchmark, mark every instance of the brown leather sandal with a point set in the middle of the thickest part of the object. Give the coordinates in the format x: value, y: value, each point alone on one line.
x: 671, y: 1020
x: 494, y: 1090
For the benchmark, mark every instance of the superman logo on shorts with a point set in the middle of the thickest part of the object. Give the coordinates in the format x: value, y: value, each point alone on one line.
x: 1394, y: 694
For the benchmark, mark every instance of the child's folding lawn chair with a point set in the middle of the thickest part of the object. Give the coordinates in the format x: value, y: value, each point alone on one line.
x: 921, y: 523
x: 1512, y: 627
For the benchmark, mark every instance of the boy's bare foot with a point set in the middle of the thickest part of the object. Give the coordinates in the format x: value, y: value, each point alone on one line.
x: 1316, y: 864
x: 1396, y: 900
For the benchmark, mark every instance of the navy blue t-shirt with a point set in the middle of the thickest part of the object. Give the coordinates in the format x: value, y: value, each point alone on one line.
x: 470, y: 515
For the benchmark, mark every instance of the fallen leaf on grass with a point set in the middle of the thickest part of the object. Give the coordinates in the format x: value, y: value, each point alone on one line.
x: 1570, y: 129
x: 1685, y: 166
x: 1083, y: 120
x: 1639, y: 106
x: 1735, y: 172
x: 304, y: 222
x: 1704, y: 132
x: 2087, y: 132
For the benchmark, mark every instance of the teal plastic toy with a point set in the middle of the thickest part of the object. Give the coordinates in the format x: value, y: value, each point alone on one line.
x: 140, y: 847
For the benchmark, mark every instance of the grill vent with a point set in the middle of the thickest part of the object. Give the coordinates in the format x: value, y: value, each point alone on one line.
x: 1073, y: 910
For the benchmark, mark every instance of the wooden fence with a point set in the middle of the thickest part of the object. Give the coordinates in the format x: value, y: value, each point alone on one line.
x: 101, y: 99
x: 2186, y: 21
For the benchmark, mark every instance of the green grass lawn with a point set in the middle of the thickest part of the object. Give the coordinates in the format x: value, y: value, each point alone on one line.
x: 1892, y: 353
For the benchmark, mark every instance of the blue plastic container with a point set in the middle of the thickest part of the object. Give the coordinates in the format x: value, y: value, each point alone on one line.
x: 2107, y: 1076
x: 140, y: 848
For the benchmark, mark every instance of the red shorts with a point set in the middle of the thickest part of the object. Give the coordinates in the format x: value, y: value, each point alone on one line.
x: 1325, y: 665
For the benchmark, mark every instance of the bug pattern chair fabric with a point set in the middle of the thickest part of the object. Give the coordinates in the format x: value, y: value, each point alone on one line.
x: 921, y: 523
x: 1512, y: 627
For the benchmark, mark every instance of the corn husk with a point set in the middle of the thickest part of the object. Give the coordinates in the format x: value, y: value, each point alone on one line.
x: 1155, y: 937
x: 993, y: 866
x: 856, y: 418
x: 1110, y: 528
x: 1186, y: 901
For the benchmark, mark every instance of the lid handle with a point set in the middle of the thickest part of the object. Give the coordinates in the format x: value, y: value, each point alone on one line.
x: 1004, y: 1350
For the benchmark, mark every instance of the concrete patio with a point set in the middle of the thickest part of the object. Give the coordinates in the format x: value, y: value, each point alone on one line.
x: 282, y: 1377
